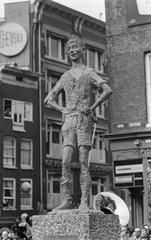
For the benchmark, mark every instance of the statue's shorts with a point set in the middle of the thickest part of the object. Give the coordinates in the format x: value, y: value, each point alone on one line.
x: 77, y: 130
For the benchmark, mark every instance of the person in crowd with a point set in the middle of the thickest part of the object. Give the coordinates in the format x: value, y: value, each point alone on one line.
x: 5, y: 235
x: 136, y: 234
x: 144, y: 233
x: 24, y: 226
x: 124, y: 235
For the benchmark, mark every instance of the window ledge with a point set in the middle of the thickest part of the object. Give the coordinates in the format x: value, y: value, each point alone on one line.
x: 10, y: 167
x: 18, y: 128
x: 56, y: 59
x: 26, y: 208
x: 10, y: 209
x: 26, y: 168
x: 53, y: 156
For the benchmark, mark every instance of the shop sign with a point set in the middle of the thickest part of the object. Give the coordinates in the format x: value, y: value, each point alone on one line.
x: 124, y: 179
x: 133, y: 168
x: 13, y: 39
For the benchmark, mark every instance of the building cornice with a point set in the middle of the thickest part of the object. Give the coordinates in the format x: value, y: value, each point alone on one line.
x: 61, y: 9
x: 129, y: 134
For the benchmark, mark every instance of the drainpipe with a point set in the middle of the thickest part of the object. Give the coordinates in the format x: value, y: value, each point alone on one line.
x: 38, y: 11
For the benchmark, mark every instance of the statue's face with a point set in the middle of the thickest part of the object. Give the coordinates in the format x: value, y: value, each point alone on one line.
x: 74, y: 50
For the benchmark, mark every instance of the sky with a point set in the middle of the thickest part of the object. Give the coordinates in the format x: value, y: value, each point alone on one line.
x: 94, y: 8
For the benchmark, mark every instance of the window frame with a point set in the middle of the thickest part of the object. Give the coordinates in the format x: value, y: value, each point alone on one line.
x: 49, y: 37
x: 98, y: 54
x: 24, y: 103
x: 102, y: 106
x: 49, y: 85
x: 14, y: 193
x: 49, y: 130
x: 13, y: 147
x: 97, y: 140
x: 24, y: 207
x: 31, y: 154
x: 148, y: 87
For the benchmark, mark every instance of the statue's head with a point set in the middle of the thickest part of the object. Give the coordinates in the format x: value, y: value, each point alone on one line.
x: 75, y: 47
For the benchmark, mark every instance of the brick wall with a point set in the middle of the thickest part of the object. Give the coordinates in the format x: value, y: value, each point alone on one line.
x: 126, y: 46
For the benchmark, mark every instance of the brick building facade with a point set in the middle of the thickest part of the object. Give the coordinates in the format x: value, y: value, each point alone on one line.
x: 129, y: 65
x: 41, y: 61
x: 53, y: 26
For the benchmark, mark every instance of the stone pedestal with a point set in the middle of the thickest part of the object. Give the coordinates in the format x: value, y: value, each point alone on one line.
x: 73, y: 225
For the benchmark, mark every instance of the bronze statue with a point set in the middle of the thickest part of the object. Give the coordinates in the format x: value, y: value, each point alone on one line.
x: 78, y: 116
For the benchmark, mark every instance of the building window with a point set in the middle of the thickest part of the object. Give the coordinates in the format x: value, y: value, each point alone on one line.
x: 54, y: 194
x: 98, y: 151
x: 26, y: 153
x: 148, y: 86
x: 97, y: 185
x: 95, y: 59
x: 56, y: 48
x: 9, y: 197
x: 9, y: 152
x: 101, y: 109
x: 54, y: 141
x: 18, y: 111
x: 28, y: 111
x: 51, y: 80
x: 26, y: 193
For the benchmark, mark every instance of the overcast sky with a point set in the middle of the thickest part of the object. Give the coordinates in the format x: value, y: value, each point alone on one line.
x: 94, y: 8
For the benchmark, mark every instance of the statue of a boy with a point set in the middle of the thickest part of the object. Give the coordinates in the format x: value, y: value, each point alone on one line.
x: 78, y: 117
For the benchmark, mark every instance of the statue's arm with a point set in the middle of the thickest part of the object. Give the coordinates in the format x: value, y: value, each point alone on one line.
x: 103, y: 88
x: 52, y: 96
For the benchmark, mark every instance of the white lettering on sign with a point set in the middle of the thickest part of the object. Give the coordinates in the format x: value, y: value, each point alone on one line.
x: 13, y: 39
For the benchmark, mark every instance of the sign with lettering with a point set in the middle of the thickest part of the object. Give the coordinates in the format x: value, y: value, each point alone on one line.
x: 13, y: 39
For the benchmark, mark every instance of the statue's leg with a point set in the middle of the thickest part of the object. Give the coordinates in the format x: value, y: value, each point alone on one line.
x: 84, y: 178
x: 66, y: 180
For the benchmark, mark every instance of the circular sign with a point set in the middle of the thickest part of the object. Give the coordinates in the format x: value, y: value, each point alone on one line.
x: 13, y: 39
x: 121, y: 207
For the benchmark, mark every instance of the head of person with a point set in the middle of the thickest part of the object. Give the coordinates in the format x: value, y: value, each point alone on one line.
x: 144, y: 234
x: 24, y: 217
x: 4, y: 235
x: 137, y: 231
x: 75, y: 48
x: 123, y: 231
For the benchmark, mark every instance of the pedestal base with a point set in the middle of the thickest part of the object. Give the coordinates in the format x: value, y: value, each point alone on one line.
x: 73, y: 225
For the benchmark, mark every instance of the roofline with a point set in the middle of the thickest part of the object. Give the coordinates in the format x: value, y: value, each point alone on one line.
x: 73, y: 12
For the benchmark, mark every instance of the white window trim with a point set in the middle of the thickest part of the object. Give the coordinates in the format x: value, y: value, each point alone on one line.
x: 23, y: 113
x: 50, y: 130
x: 102, y: 60
x: 20, y: 110
x: 98, y: 139
x: 31, y: 107
x: 103, y: 106
x: 31, y: 154
x: 59, y: 49
x: 48, y: 87
x: 14, y: 193
x: 50, y: 180
x: 148, y: 87
x: 31, y: 192
x: 9, y: 166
